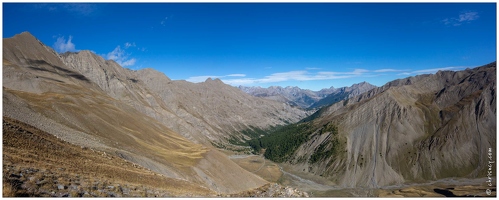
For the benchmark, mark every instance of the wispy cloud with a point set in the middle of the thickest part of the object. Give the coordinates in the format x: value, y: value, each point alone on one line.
x: 132, y: 44
x: 121, y: 57
x: 80, y: 9
x: 468, y: 16
x: 299, y: 75
x: 465, y: 17
x: 61, y: 45
x: 313, y: 68
x: 389, y: 70
x: 430, y: 71
x: 129, y: 44
x: 163, y: 22
x: 237, y: 75
x: 313, y: 75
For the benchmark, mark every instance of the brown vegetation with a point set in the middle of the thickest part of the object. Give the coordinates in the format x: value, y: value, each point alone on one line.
x: 36, y: 163
x: 266, y: 169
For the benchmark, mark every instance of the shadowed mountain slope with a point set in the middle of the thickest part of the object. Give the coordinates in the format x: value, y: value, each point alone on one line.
x: 343, y: 94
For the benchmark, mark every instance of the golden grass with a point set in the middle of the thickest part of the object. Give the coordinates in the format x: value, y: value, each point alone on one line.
x: 27, y: 147
x: 267, y: 169
x: 7, y: 190
x: 114, y: 123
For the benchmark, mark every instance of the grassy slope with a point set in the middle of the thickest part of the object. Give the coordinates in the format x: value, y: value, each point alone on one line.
x: 50, y: 161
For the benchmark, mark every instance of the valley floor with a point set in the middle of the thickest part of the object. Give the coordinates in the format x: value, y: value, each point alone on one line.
x: 316, y: 186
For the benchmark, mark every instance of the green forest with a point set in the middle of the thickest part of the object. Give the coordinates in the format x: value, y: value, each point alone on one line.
x: 281, y: 143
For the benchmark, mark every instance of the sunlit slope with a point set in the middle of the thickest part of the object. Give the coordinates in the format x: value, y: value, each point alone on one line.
x: 47, y: 162
x: 205, y: 112
x: 58, y: 100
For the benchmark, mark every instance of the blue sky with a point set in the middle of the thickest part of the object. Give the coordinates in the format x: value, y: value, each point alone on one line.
x: 312, y: 46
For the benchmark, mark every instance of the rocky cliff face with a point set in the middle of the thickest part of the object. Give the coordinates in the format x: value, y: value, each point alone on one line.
x: 416, y: 129
x: 90, y: 102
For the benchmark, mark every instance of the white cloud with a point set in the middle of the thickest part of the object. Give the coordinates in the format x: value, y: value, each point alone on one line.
x: 237, y: 75
x: 430, y: 71
x: 129, y: 62
x: 79, y: 9
x: 468, y: 16
x: 359, y: 71
x: 121, y: 57
x: 62, y: 46
x: 301, y: 75
x: 310, y: 75
x: 241, y: 81
x: 388, y: 70
x: 163, y: 22
x: 312, y: 68
x: 463, y: 18
x: 285, y: 76
x: 434, y: 70
x: 128, y: 44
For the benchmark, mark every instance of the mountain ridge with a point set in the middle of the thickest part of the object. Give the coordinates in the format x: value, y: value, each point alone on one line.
x: 305, y: 98
x: 409, y: 130
x: 154, y: 94
x: 98, y: 110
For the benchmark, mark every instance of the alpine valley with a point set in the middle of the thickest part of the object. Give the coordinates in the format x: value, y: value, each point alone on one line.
x: 75, y: 124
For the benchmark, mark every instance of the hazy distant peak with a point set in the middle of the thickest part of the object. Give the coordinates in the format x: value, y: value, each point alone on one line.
x: 216, y: 80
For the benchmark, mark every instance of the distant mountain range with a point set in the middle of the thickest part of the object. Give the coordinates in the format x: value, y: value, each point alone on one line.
x: 308, y: 99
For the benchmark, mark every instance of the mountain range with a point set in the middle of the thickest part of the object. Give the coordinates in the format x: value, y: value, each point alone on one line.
x: 412, y: 130
x: 60, y: 107
x: 308, y: 99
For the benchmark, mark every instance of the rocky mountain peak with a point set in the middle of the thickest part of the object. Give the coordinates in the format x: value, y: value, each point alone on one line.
x: 152, y: 73
x: 25, y: 35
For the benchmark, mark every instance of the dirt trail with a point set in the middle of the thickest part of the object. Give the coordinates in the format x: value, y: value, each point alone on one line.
x: 261, y: 166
